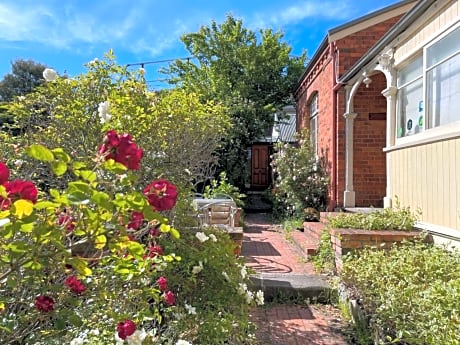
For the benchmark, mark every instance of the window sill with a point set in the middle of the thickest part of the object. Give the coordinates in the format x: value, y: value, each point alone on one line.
x: 446, y: 132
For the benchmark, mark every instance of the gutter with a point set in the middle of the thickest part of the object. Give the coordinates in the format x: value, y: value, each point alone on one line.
x: 394, y: 32
x: 312, y: 62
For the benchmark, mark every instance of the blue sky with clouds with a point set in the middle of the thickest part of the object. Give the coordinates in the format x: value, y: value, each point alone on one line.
x: 65, y: 34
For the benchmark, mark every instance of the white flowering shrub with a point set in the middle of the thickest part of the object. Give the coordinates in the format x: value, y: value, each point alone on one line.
x: 300, y: 182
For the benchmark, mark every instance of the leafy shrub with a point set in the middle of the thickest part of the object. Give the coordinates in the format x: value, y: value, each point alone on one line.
x: 324, y: 259
x: 411, y: 293
x: 87, y: 257
x: 301, y: 181
x: 179, y: 133
x: 222, y: 187
x: 397, y: 218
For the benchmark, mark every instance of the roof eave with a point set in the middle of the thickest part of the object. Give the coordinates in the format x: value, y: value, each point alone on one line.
x: 389, y: 37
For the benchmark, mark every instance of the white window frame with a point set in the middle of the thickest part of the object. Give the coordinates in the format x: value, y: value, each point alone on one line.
x: 426, y: 70
x: 429, y: 134
x: 313, y: 122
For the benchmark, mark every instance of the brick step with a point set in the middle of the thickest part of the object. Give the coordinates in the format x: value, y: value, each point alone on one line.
x: 306, y: 244
x: 324, y: 216
x: 313, y: 230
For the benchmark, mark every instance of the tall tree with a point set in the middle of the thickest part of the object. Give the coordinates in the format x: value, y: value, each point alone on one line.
x: 252, y: 73
x: 24, y: 77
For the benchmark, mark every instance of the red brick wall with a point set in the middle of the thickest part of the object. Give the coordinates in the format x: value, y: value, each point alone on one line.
x: 369, y: 140
x: 369, y: 159
x: 321, y: 81
x: 354, y: 46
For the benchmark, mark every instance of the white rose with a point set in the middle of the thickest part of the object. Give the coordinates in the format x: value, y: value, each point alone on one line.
x: 213, y: 237
x: 137, y: 337
x: 183, y: 342
x: 103, y: 111
x: 201, y: 236
x: 50, y: 74
x: 260, y: 297
x: 191, y: 310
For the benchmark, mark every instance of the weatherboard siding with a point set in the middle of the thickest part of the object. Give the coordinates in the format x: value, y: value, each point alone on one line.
x: 427, y: 31
x: 427, y: 178
x: 424, y: 172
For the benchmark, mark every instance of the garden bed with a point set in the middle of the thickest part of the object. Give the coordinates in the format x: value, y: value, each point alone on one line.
x: 346, y: 240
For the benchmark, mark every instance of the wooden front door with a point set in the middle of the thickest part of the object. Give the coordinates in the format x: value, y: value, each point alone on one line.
x: 260, y: 167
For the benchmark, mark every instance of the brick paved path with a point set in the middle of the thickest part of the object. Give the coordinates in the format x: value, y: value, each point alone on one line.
x: 267, y: 251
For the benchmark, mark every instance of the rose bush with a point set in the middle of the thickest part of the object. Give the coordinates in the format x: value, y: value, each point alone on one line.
x: 301, y: 179
x: 89, y: 256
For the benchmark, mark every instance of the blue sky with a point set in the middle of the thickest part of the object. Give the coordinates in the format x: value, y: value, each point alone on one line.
x: 66, y: 34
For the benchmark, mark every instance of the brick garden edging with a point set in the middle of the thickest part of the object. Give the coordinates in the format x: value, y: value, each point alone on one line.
x: 346, y: 240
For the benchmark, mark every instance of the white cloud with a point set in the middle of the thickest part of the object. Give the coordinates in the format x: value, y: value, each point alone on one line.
x: 132, y: 28
x: 303, y: 10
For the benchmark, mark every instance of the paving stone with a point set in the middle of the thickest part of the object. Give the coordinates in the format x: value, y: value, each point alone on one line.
x: 279, y: 266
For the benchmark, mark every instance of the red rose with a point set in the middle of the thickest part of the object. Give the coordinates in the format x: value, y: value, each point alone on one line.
x: 16, y: 190
x: 75, y: 285
x: 162, y: 283
x: 170, y: 298
x: 161, y: 194
x: 125, y: 329
x: 44, y: 303
x: 4, y: 173
x: 121, y: 149
x: 66, y: 221
x: 136, y: 220
x: 155, y: 251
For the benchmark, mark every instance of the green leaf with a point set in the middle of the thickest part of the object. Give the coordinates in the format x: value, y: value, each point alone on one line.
x: 151, y: 214
x: 100, y: 242
x: 135, y: 249
x: 59, y: 168
x: 88, y: 175
x: 102, y: 199
x: 27, y: 227
x: 78, y: 165
x: 75, y: 320
x: 80, y: 265
x: 59, y: 324
x: 175, y: 233
x: 40, y: 153
x: 18, y: 247
x: 33, y: 265
x: 61, y: 155
x: 115, y: 167
x: 45, y: 204
x: 78, y: 192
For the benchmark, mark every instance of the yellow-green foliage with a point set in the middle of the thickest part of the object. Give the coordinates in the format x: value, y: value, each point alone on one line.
x: 179, y: 132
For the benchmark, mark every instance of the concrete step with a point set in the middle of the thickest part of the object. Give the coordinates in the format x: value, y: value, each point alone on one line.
x: 313, y: 287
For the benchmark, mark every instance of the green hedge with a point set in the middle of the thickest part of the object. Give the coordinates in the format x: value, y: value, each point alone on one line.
x: 411, y: 293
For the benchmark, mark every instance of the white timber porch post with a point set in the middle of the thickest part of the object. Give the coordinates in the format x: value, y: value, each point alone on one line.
x: 390, y: 94
x: 349, y: 193
x: 385, y: 64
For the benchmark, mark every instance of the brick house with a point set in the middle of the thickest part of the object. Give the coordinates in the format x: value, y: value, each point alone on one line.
x: 320, y: 105
x: 381, y: 98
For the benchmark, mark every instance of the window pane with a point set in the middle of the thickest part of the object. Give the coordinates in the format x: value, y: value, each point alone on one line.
x: 411, y: 72
x: 314, y: 105
x: 446, y: 47
x: 410, y: 109
x: 314, y: 134
x: 443, y: 92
